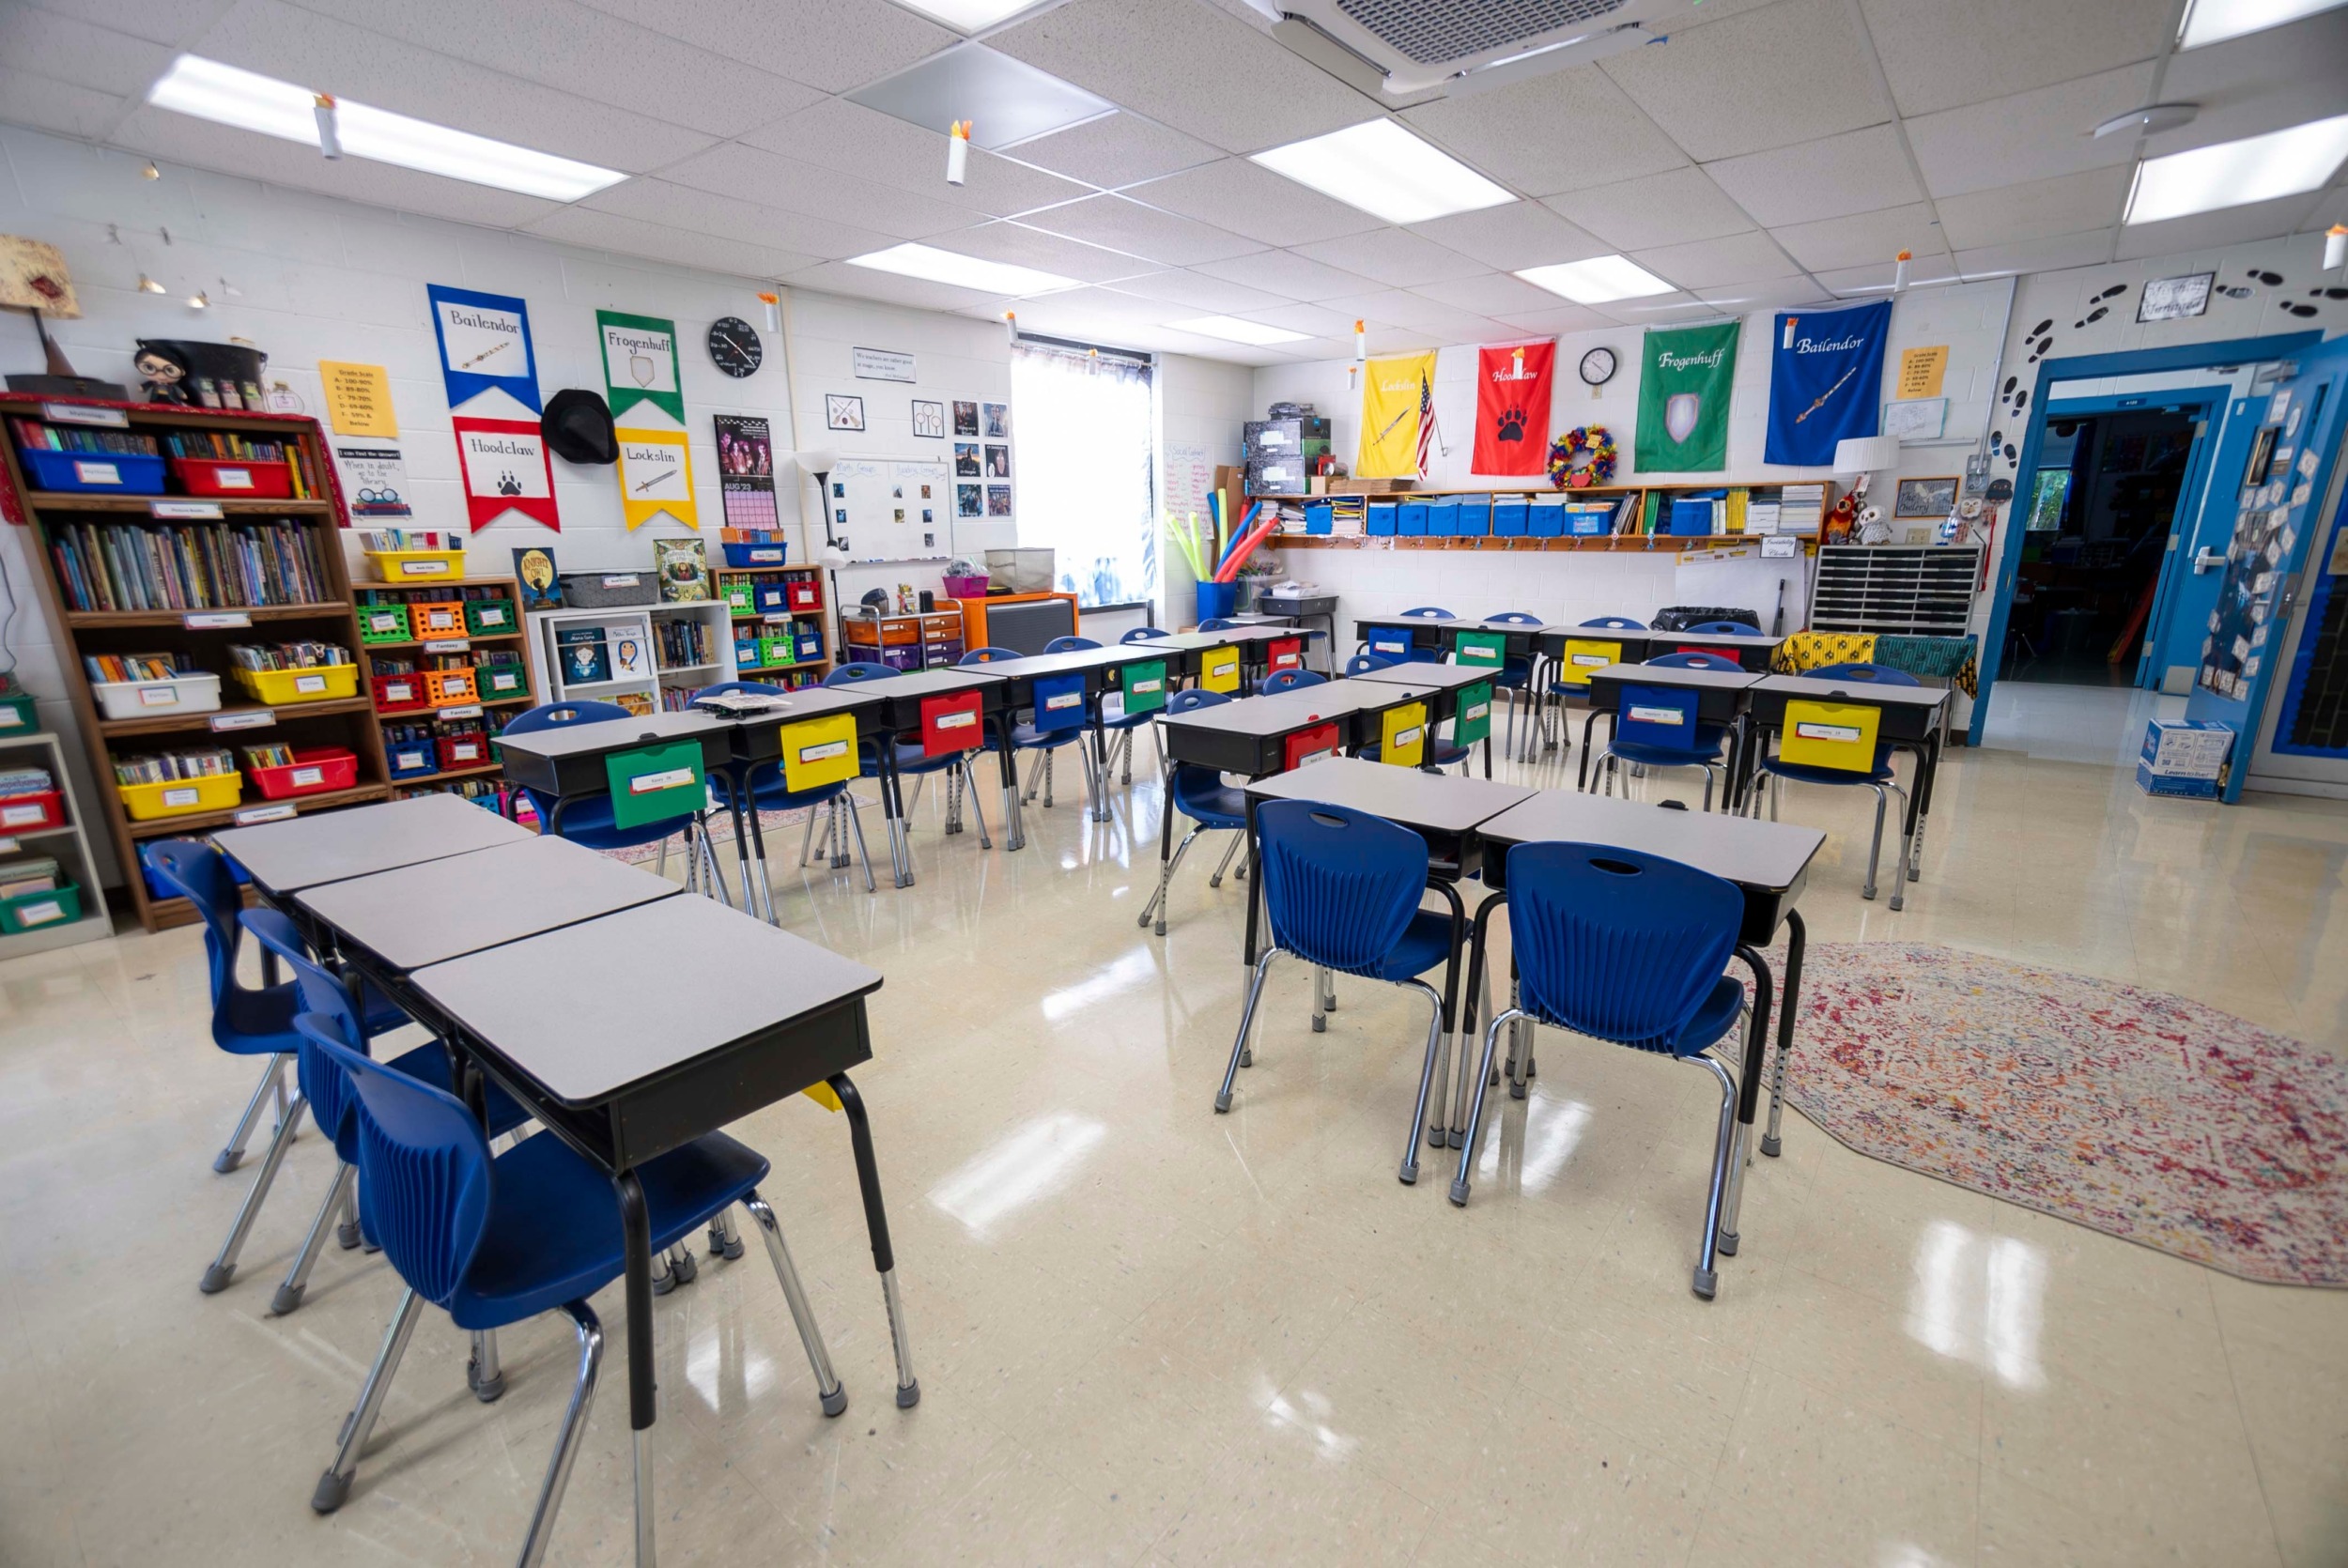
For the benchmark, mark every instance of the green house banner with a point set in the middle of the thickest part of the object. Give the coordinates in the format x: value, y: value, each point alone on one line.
x: 640, y: 363
x: 1684, y: 380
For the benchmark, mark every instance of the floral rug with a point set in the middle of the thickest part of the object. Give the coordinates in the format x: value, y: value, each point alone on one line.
x: 2143, y: 1115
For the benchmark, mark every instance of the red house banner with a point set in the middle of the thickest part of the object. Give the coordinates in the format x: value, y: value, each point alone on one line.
x: 505, y: 469
x: 1512, y: 384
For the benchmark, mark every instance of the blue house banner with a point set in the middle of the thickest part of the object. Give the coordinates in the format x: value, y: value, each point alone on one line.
x: 485, y: 343
x: 1826, y: 382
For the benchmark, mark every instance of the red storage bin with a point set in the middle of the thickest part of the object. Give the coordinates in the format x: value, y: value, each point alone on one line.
x: 464, y: 751
x: 31, y: 813
x: 1310, y: 745
x: 953, y: 723
x: 1285, y: 652
x: 804, y: 594
x: 231, y: 478
x: 400, y: 694
x: 314, y: 771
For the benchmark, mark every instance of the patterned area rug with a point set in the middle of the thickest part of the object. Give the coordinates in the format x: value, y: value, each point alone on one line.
x: 2140, y: 1114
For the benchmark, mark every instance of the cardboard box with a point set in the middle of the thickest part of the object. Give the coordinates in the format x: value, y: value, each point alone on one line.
x: 1340, y: 487
x: 2186, y: 758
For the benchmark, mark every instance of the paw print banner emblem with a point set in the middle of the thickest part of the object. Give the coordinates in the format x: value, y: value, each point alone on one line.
x: 1512, y: 385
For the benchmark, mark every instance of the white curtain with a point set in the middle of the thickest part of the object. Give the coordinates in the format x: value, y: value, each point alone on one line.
x: 1086, y: 456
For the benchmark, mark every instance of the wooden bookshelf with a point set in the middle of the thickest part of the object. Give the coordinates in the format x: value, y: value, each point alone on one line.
x: 486, y: 711
x: 723, y: 577
x: 1669, y: 542
x: 343, y: 722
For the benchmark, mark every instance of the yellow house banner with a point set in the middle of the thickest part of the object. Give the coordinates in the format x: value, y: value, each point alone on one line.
x: 1397, y: 395
x: 655, y: 472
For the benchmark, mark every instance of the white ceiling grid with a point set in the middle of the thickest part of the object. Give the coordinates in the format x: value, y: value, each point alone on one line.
x: 1774, y: 152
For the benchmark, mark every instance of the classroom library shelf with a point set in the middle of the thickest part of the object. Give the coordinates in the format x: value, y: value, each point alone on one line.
x: 501, y: 594
x: 196, y: 637
x: 1667, y: 541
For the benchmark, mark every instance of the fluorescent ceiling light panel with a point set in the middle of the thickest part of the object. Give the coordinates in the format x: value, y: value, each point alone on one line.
x: 1006, y: 100
x: 1597, y: 281
x: 1231, y: 328
x: 250, y: 101
x: 967, y: 16
x: 1384, y: 170
x: 2214, y: 21
x: 951, y: 267
x: 2232, y: 174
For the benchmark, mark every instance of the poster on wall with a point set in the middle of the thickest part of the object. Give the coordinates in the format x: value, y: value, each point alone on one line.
x: 1826, y: 382
x: 359, y: 400
x: 1512, y: 387
x: 655, y: 471
x: 484, y: 346
x: 1684, y: 383
x: 506, y: 470
x: 375, y: 482
x: 640, y: 363
x: 745, y: 470
x: 1397, y: 417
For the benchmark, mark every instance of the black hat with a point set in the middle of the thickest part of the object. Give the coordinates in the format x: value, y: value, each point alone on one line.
x: 578, y: 428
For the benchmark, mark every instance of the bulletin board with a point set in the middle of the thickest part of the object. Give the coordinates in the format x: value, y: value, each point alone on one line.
x: 886, y: 515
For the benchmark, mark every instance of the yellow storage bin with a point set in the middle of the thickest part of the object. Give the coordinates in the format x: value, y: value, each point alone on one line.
x: 177, y: 797
x: 1837, y: 735
x: 417, y: 565
x: 282, y: 688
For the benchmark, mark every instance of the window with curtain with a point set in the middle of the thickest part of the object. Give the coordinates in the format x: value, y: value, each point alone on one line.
x: 1087, y: 457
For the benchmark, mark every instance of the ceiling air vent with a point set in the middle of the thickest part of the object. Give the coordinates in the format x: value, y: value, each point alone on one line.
x: 1417, y: 47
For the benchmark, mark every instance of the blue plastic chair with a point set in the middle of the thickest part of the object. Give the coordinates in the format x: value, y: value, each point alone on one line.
x: 1218, y: 624
x: 911, y: 760
x: 1557, y: 691
x: 327, y: 1093
x: 1656, y: 727
x: 588, y: 820
x: 1035, y: 736
x: 1723, y: 628
x: 1878, y: 778
x: 1342, y: 890
x: 1289, y: 680
x: 1628, y: 947
x: 1200, y: 794
x: 762, y: 788
x: 1072, y: 644
x: 1114, y: 716
x: 1426, y: 612
x: 1441, y: 753
x: 496, y: 1240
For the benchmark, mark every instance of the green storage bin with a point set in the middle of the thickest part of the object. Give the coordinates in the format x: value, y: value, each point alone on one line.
x: 491, y: 618
x: 38, y: 912
x: 776, y: 650
x: 739, y: 597
x: 16, y: 714
x: 382, y: 622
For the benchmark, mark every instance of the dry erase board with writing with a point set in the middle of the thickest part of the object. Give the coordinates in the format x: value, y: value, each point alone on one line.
x: 888, y: 516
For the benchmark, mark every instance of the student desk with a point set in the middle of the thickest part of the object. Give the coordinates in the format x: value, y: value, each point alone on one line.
x: 576, y: 1026
x: 1752, y: 651
x: 1911, y: 720
x: 1770, y: 864
x: 1290, y: 615
x: 1250, y: 734
x: 1099, y: 666
x: 758, y: 745
x: 284, y: 857
x: 1441, y: 808
x: 901, y: 711
x: 1719, y: 700
x: 1186, y: 651
x: 568, y: 764
x: 1448, y: 680
x: 1419, y: 631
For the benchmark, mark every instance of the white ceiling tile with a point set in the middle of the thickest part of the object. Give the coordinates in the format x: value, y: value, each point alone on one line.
x: 1318, y: 320
x: 659, y: 201
x: 1114, y: 150
x: 1859, y: 170
x: 78, y: 54
x: 1564, y: 131
x: 2036, y: 255
x: 2031, y: 136
x: 608, y: 230
x: 1249, y: 199
x: 1188, y: 66
x: 1402, y: 307
x: 1512, y: 238
x: 1093, y: 315
x: 179, y: 25
x: 332, y: 56
x: 2261, y: 82
x: 1200, y: 292
x: 1702, y: 264
x: 1661, y: 310
x: 1862, y: 239
x: 2034, y: 209
x: 1655, y: 209
x: 1494, y: 294
x: 1022, y: 246
x: 831, y: 44
x: 1143, y: 231
x: 1393, y: 256
x: 870, y: 145
x: 1556, y: 317
x: 1789, y: 72
x: 753, y: 174
x: 572, y: 48
x: 1767, y: 294
x: 1286, y: 273
x: 1937, y: 55
x: 2233, y: 225
x: 49, y: 104
x: 863, y: 283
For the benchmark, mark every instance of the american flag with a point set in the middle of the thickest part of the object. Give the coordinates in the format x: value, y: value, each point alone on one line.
x: 1426, y: 422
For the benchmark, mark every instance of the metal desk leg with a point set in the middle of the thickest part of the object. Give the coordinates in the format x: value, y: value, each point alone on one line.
x: 1458, y: 1133
x: 893, y: 804
x: 643, y: 1400
x: 758, y: 898
x: 1748, y: 1093
x: 1100, y: 766
x: 1582, y: 770
x: 1015, y: 830
x: 1255, y: 883
x: 1789, y: 1002
x: 876, y: 1225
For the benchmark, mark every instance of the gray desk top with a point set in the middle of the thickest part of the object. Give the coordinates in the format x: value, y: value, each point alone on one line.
x: 1294, y: 710
x: 1764, y: 856
x: 613, y: 734
x: 925, y: 682
x: 1448, y: 677
x: 803, y: 702
x: 1074, y: 659
x: 445, y: 909
x: 1674, y: 675
x: 1409, y: 620
x: 1443, y: 803
x: 1856, y: 691
x: 1717, y: 639
x: 592, y: 1008
x: 304, y: 852
x: 1230, y: 636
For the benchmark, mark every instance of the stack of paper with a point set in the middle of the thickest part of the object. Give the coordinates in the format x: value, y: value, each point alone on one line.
x: 35, y: 874
x: 1800, y: 508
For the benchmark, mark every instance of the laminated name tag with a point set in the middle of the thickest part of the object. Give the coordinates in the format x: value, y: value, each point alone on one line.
x: 1144, y: 685
x: 1471, y: 720
x: 1390, y: 645
x: 1060, y: 703
x: 1402, y: 735
x: 819, y: 751
x: 1658, y: 716
x: 656, y: 783
x: 950, y: 723
x: 1583, y: 656
x: 1219, y: 670
x: 1838, y: 735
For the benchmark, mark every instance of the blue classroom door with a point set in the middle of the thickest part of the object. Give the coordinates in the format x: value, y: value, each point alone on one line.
x: 2197, y: 564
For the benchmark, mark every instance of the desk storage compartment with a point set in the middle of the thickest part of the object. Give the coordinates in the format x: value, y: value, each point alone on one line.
x: 314, y: 771
x: 953, y: 722
x: 1837, y: 735
x: 197, y: 693
x: 1310, y: 745
x: 33, y: 912
x: 451, y: 688
x: 1285, y: 653
x: 489, y: 617
x: 31, y: 813
x: 233, y: 477
x: 176, y: 797
x: 819, y: 751
x: 286, y: 688
x: 416, y: 565
x: 114, y: 473
x: 400, y: 694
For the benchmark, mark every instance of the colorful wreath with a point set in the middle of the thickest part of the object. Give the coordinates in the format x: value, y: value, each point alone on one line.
x: 1589, y: 443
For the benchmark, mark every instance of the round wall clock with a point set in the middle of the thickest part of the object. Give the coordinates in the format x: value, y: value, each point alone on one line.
x: 1598, y: 366
x: 734, y: 347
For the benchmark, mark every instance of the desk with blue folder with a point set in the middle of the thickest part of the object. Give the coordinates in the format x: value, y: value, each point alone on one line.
x: 1719, y: 700
x: 1083, y: 674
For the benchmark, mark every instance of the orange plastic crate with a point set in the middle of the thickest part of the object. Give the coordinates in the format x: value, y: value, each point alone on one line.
x: 450, y: 688
x: 436, y: 618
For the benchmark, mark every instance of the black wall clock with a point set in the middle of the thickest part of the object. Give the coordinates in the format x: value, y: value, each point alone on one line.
x: 1598, y: 366
x: 734, y: 347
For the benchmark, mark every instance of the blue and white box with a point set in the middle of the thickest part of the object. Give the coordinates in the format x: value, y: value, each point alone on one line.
x: 2186, y: 757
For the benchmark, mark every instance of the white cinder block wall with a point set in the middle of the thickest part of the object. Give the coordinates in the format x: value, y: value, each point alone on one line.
x: 1200, y: 403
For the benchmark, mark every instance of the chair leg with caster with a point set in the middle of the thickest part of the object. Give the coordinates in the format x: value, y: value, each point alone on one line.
x: 272, y: 1082
x: 829, y: 1394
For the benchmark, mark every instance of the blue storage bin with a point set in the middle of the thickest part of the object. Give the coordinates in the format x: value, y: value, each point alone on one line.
x: 1410, y: 517
x: 1546, y: 519
x: 1474, y: 515
x: 740, y: 557
x: 1584, y: 521
x: 1511, y: 516
x: 1443, y: 517
x: 1382, y: 517
x: 1692, y: 514
x: 114, y: 473
x: 1319, y: 519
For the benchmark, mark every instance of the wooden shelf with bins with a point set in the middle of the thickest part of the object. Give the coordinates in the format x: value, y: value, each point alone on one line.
x: 438, y: 590
x: 1667, y: 541
x: 819, y: 614
x: 81, y: 632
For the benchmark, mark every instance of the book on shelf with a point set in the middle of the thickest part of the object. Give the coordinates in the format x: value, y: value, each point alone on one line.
x: 1800, y: 508
x: 133, y: 566
x: 24, y: 781
x: 34, y: 435
x: 31, y: 874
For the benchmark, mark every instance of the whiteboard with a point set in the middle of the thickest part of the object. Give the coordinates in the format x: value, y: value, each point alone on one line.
x: 877, y: 505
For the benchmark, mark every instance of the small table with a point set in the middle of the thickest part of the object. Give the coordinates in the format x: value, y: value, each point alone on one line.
x: 1719, y: 700
x: 900, y: 711
x: 1911, y: 721
x: 1098, y: 666
x: 284, y: 857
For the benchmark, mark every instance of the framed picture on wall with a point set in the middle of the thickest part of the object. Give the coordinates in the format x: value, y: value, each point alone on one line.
x: 965, y: 459
x: 842, y: 412
x: 968, y: 501
x: 2174, y: 298
x: 997, y: 420
x: 1925, y: 497
x: 965, y: 418
x: 2262, y: 454
x: 929, y: 419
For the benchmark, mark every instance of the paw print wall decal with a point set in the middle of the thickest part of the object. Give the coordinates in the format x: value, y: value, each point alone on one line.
x: 1509, y: 426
